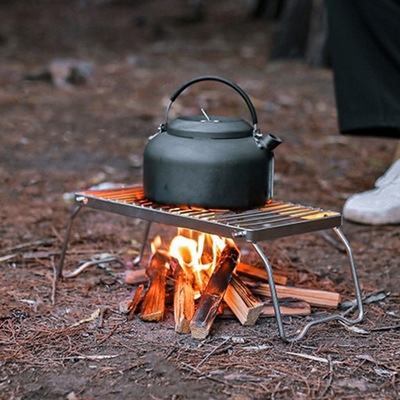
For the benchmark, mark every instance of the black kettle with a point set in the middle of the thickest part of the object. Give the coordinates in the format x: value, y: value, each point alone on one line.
x: 210, y: 161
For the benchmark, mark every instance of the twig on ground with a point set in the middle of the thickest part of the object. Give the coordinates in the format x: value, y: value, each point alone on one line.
x: 372, y: 297
x: 87, y: 264
x: 313, y: 358
x: 207, y: 376
x: 108, y: 335
x: 385, y: 328
x: 35, y: 243
x: 103, y: 311
x: 57, y: 234
x: 330, y: 380
x: 92, y: 317
x: 54, y: 282
x: 90, y: 358
x: 211, y: 353
x: 8, y: 257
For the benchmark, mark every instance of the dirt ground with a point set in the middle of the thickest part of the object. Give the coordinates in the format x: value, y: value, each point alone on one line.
x: 63, y: 135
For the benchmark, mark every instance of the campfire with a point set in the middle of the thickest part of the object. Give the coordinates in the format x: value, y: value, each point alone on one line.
x: 200, y: 277
x: 213, y: 177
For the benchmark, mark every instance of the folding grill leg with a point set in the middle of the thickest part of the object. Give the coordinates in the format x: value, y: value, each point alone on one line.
x: 274, y: 296
x: 146, y: 231
x: 339, y: 317
x: 75, y: 210
x: 59, y: 268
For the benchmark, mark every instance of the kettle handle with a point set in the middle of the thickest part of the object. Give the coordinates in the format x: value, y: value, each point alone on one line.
x: 233, y: 85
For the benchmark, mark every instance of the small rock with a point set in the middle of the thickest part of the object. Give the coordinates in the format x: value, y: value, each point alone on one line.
x: 65, y: 72
x: 72, y: 396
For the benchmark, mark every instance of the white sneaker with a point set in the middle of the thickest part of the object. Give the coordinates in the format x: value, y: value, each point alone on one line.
x: 379, y: 206
x: 392, y: 173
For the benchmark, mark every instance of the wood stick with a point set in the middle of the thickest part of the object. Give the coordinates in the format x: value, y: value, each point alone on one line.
x: 136, y: 299
x: 135, y: 276
x: 259, y: 273
x: 153, y: 305
x: 318, y: 298
x: 242, y: 302
x: 183, y: 297
x: 288, y: 306
x: 210, y: 300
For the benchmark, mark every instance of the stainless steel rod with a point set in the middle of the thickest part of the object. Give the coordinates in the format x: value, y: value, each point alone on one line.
x: 60, y: 266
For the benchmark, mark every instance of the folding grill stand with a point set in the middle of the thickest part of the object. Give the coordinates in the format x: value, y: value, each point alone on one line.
x: 275, y: 219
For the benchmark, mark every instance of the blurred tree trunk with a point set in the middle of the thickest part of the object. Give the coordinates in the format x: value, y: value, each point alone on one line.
x: 267, y: 9
x: 302, y: 33
x: 317, y: 52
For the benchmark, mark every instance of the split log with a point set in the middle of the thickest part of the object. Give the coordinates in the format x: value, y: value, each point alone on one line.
x: 287, y: 306
x: 258, y: 273
x: 213, y: 294
x: 136, y: 299
x: 129, y: 306
x: 153, y: 305
x: 242, y: 302
x: 318, y: 298
x: 135, y: 276
x: 183, y: 297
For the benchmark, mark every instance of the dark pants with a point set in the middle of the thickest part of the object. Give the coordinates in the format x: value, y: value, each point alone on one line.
x: 365, y: 48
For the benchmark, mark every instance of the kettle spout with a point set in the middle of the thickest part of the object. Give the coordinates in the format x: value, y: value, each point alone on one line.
x: 270, y: 142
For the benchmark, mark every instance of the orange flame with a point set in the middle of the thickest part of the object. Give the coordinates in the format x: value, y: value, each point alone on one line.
x: 196, y: 252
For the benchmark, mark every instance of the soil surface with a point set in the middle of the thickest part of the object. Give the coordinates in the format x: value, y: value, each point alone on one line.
x: 83, y: 84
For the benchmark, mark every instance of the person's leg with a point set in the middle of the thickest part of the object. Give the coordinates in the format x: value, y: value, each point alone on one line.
x: 365, y: 53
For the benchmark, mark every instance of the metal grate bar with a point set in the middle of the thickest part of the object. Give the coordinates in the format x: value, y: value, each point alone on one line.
x: 274, y: 219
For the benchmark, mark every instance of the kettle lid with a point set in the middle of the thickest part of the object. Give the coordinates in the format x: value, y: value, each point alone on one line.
x: 213, y: 127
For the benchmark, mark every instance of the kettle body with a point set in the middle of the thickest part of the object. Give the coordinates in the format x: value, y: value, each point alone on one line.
x: 210, y: 162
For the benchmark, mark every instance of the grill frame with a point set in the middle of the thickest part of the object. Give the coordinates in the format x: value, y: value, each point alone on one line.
x: 306, y: 219
x: 274, y: 220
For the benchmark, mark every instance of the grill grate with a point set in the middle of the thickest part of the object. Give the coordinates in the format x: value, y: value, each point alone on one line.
x: 273, y: 220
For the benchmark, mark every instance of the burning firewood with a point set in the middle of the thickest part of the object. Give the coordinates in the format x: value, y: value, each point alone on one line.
x: 242, y: 302
x: 183, y: 297
x: 213, y: 294
x: 153, y: 305
x: 139, y: 275
x: 318, y: 298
